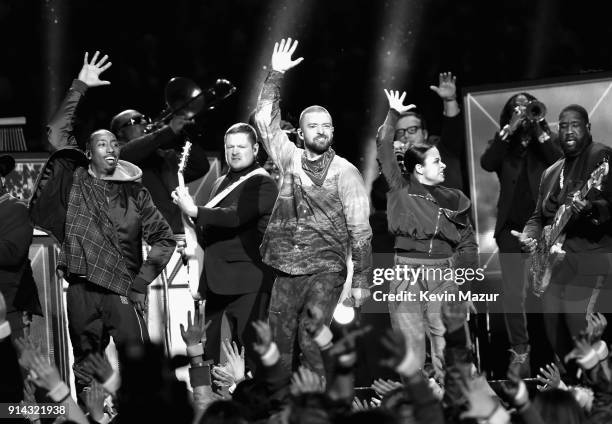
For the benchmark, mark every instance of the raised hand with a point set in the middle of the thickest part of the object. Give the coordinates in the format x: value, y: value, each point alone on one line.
x: 596, y: 324
x: 306, y: 381
x: 447, y: 88
x: 94, y: 401
x: 96, y: 364
x: 581, y: 347
x: 235, y: 360
x: 510, y: 390
x: 479, y: 395
x: 359, y: 405
x: 550, y: 377
x: 196, y: 331
x: 281, y: 57
x: 90, y: 72
x: 396, y: 101
x: 42, y: 372
x: 222, y: 377
x: 528, y: 244
x: 384, y: 387
x: 264, y: 337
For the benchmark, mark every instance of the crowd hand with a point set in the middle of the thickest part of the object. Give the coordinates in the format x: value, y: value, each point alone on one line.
x: 222, y: 377
x: 581, y: 206
x: 264, y: 337
x: 478, y: 394
x: 235, y: 360
x: 447, y: 87
x: 359, y: 405
x: 281, y: 57
x: 384, y: 387
x: 93, y: 397
x: 42, y: 372
x: 178, y: 122
x: 510, y: 389
x: 455, y: 314
x: 196, y: 330
x: 306, y: 381
x: 346, y: 346
x: 358, y: 297
x: 596, y: 324
x: 550, y: 377
x: 581, y: 347
x: 182, y: 198
x: 90, y: 72
x: 139, y: 300
x: 96, y: 364
x: 399, y: 353
x: 27, y: 350
x: 528, y: 245
x: 396, y: 102
x: 221, y: 395
x: 314, y: 320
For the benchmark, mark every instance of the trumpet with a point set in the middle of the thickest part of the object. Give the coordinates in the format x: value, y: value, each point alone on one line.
x: 535, y: 111
x: 185, y: 98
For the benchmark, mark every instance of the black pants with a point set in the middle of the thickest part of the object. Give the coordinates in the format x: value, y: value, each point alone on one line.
x: 514, y: 282
x: 240, y: 310
x: 95, y: 314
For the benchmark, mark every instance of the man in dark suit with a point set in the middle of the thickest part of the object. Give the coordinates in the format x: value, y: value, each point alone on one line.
x: 518, y: 154
x: 577, y: 281
x: 230, y: 229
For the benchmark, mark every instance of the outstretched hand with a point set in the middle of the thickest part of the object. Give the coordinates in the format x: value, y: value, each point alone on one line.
x: 281, y: 57
x: 446, y: 88
x: 196, y: 330
x: 396, y: 101
x: 90, y: 72
x: 528, y: 244
x: 264, y: 337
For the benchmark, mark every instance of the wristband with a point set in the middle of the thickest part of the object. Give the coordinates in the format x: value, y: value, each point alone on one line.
x: 324, y: 337
x: 5, y: 330
x: 451, y: 99
x: 195, y: 350
x: 112, y: 384
x: 589, y: 360
x: 601, y: 349
x: 59, y: 393
x: 272, y: 356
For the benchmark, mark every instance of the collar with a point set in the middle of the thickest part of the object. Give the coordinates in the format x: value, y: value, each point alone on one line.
x: 234, y: 175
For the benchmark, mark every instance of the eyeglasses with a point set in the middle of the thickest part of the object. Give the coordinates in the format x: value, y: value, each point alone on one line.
x: 137, y: 120
x: 399, y: 133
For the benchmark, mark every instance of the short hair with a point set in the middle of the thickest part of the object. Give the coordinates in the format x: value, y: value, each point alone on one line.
x: 312, y: 109
x: 242, y: 128
x: 95, y: 133
x: 415, y: 155
x: 417, y: 115
x: 578, y: 109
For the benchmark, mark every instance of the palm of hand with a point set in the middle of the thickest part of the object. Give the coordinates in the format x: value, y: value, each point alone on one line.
x: 447, y: 90
x: 90, y: 74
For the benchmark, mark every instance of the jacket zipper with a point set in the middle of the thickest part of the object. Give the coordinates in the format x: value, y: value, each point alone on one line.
x: 435, y: 231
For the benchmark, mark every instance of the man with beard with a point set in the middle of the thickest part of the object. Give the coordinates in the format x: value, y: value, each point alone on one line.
x: 95, y: 207
x: 518, y: 154
x: 321, y: 212
x: 577, y: 280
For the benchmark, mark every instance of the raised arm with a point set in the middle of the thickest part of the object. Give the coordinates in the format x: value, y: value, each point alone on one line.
x: 60, y: 128
x: 447, y: 90
x: 268, y: 115
x: 384, y: 139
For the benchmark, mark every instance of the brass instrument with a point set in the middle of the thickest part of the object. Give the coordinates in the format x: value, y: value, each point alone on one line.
x: 535, y: 111
x: 184, y: 97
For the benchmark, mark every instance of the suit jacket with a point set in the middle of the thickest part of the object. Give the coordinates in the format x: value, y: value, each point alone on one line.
x: 588, y: 240
x: 231, y: 233
x: 498, y: 158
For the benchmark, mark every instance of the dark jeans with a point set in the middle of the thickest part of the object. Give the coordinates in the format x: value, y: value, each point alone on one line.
x: 514, y: 283
x: 241, y: 310
x: 95, y: 314
x: 291, y: 298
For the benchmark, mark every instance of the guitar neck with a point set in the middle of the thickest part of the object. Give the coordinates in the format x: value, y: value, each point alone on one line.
x: 181, y: 179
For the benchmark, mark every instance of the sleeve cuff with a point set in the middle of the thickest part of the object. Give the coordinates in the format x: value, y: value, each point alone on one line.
x: 324, y: 337
x: 113, y: 383
x: 5, y: 330
x: 79, y: 86
x: 589, y: 360
x: 272, y: 356
x: 59, y: 393
x: 601, y: 349
x: 195, y: 350
x: 139, y: 285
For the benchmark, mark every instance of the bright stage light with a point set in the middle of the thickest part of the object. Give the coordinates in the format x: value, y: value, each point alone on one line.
x: 344, y: 315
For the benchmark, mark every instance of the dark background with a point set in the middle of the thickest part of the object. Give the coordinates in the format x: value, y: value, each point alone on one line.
x: 344, y: 44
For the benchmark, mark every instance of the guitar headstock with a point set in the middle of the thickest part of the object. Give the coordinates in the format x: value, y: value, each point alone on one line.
x: 597, y: 176
x: 184, y: 156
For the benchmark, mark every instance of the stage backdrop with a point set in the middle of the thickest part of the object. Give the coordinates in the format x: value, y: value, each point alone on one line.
x: 483, y: 107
